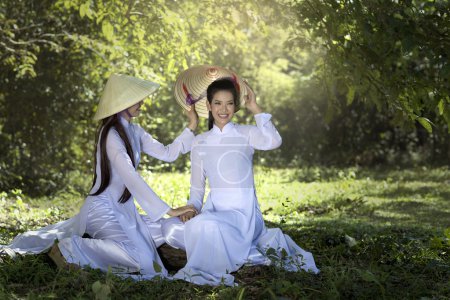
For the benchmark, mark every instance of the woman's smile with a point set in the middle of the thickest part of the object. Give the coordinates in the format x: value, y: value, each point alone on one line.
x: 222, y: 108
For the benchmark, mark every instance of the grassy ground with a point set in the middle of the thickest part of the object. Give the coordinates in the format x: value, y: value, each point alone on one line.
x: 374, y: 233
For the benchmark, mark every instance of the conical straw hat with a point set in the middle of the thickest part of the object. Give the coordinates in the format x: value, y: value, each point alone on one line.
x: 192, y: 83
x: 121, y: 92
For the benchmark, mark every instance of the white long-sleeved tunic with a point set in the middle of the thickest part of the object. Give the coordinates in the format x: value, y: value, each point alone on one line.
x: 230, y: 230
x: 121, y: 237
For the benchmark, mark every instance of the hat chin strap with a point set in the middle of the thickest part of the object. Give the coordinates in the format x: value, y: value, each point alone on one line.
x: 126, y: 112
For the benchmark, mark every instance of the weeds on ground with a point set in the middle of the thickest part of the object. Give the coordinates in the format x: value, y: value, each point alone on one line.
x: 374, y: 235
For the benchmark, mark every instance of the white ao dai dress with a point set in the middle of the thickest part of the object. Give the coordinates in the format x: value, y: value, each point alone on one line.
x: 230, y: 230
x: 122, y: 239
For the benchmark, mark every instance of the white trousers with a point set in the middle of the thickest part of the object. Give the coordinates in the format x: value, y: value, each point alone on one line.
x: 109, y: 245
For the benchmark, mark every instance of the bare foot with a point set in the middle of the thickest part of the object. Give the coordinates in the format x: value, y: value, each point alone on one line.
x: 56, y: 256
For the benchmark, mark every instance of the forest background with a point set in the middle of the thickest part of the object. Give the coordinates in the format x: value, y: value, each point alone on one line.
x: 348, y: 82
x: 358, y: 89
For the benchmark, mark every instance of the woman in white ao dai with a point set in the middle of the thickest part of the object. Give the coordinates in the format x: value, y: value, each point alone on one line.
x: 119, y: 237
x: 229, y: 231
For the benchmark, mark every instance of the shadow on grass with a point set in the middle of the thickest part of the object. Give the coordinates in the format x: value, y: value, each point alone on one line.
x: 414, y: 213
x: 369, y: 260
x: 440, y: 174
x: 419, y: 206
x: 314, y: 174
x: 421, y: 191
x: 398, y: 213
x: 392, y: 262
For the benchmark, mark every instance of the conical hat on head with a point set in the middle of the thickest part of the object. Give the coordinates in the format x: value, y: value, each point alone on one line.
x: 192, y: 83
x: 121, y: 92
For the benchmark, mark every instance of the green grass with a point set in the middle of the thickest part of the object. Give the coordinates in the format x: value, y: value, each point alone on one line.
x: 374, y: 233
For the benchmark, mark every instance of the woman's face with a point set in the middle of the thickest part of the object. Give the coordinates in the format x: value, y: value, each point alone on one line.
x: 135, y: 110
x: 222, y: 108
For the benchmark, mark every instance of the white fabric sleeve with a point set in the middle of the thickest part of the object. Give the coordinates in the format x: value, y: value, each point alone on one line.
x: 121, y: 163
x: 264, y: 136
x: 182, y: 144
x: 198, y: 179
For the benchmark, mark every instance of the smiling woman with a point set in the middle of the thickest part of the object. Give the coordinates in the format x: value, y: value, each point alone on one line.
x: 222, y: 107
x: 221, y: 102
x: 229, y: 226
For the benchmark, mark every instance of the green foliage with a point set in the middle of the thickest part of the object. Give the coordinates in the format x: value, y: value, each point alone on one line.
x: 374, y: 234
x: 324, y: 69
x: 102, y: 291
x: 356, y: 134
x: 58, y: 55
x: 393, y: 54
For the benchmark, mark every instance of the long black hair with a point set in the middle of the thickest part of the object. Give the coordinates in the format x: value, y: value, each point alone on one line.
x: 105, y: 167
x: 223, y: 84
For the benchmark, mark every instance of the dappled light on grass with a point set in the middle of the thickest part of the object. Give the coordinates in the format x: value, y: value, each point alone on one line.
x: 374, y: 234
x: 377, y: 198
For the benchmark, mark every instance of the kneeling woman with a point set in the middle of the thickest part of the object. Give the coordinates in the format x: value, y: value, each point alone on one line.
x: 229, y: 231
x: 119, y: 237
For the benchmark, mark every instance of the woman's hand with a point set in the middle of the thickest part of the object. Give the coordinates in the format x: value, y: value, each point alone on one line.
x: 193, y: 118
x: 175, y: 212
x: 250, y: 101
x: 187, y: 216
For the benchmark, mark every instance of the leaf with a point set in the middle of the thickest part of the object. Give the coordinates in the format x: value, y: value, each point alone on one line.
x: 140, y: 35
x: 101, y: 291
x: 441, y: 107
x: 436, y: 243
x: 241, y: 293
x: 100, y: 17
x: 89, y: 12
x: 426, y: 123
x: 351, y: 242
x: 185, y: 65
x: 271, y: 252
x: 68, y: 4
x: 350, y: 95
x: 108, y: 30
x: 170, y: 65
x: 157, y: 267
x: 368, y: 276
x: 398, y: 16
x: 96, y: 286
x: 83, y: 10
x: 447, y: 233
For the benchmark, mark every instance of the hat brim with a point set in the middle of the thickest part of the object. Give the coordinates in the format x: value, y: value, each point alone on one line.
x: 122, y: 92
x: 193, y: 82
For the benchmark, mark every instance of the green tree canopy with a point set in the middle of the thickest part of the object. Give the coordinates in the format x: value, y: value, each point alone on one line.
x: 363, y: 66
x: 394, y: 54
